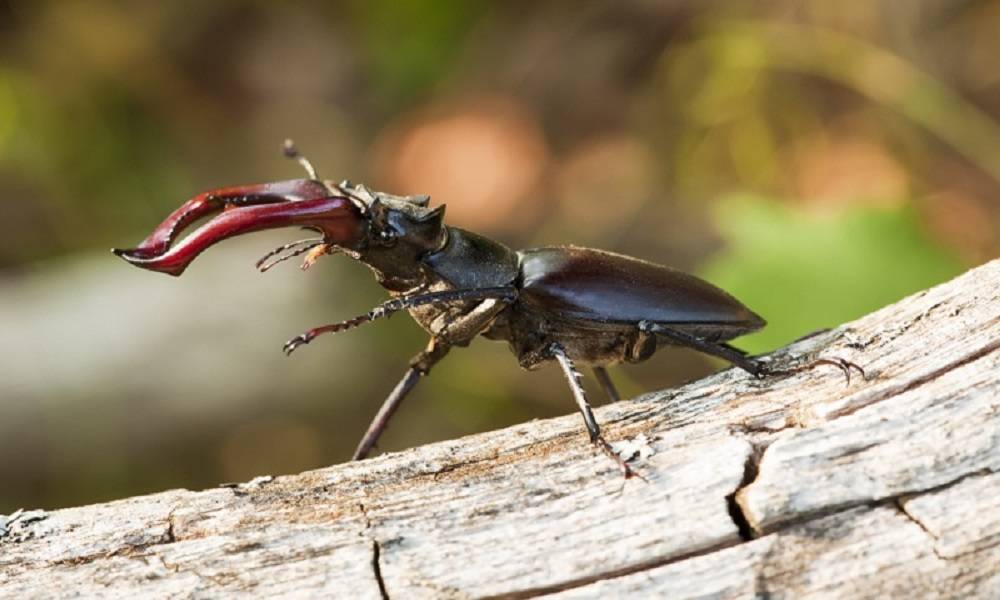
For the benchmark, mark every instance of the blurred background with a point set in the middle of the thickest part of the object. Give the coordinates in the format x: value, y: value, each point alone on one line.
x: 817, y: 159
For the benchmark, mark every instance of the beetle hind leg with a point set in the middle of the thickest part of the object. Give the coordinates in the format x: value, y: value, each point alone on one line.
x: 739, y: 358
x: 720, y: 350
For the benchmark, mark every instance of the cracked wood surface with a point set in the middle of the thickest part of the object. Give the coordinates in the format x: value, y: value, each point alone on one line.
x: 789, y: 487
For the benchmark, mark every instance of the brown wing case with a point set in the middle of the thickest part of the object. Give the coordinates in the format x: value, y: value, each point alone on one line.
x: 594, y: 285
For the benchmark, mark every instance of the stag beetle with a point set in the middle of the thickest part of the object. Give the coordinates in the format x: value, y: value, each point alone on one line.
x: 562, y: 304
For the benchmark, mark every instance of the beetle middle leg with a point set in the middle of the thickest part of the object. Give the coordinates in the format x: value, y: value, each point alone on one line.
x: 573, y: 378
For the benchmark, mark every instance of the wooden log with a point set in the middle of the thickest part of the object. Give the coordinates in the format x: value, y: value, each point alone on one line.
x: 798, y: 485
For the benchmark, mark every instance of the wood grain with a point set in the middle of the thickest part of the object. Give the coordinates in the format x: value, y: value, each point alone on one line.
x: 795, y: 486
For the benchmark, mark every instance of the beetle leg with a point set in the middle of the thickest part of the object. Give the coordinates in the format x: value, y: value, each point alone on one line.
x: 389, y: 406
x: 420, y: 365
x: 458, y: 331
x: 507, y: 294
x: 741, y: 360
x: 573, y: 378
x: 462, y: 330
x: 605, y: 380
x: 844, y: 365
x: 723, y: 351
x: 739, y: 351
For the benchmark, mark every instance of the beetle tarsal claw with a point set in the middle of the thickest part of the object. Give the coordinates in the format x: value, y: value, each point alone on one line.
x: 609, y: 451
x: 295, y: 342
x: 844, y: 365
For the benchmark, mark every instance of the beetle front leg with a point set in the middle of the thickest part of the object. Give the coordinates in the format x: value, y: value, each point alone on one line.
x: 420, y: 365
x: 390, y: 307
x: 459, y: 331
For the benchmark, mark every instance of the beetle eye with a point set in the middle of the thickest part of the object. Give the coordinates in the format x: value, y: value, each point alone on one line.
x: 388, y: 236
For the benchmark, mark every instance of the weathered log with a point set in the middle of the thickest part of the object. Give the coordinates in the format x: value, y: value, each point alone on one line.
x: 792, y: 486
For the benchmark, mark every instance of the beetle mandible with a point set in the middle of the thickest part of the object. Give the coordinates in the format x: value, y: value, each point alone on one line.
x: 561, y: 304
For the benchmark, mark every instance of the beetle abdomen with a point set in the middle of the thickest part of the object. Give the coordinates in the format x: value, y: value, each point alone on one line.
x: 594, y: 285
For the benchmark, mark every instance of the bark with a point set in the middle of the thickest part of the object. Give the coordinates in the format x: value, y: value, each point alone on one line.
x: 793, y: 486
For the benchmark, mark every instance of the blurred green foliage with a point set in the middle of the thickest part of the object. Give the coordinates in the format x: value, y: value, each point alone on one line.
x: 803, y: 271
x: 411, y: 45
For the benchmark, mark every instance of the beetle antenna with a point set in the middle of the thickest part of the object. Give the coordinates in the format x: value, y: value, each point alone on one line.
x: 290, y: 151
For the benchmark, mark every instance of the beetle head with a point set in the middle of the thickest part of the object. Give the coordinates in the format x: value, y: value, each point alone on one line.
x: 401, y: 230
